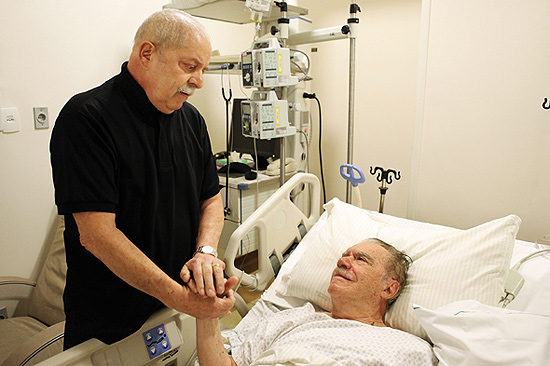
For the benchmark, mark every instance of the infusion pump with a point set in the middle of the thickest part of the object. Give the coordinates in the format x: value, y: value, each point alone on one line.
x: 267, y: 65
x: 264, y: 116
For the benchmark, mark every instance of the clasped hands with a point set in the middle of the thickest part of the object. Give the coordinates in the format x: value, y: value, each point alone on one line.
x: 203, y: 275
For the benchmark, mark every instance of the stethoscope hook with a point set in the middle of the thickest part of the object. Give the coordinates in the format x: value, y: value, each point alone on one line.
x: 546, y: 104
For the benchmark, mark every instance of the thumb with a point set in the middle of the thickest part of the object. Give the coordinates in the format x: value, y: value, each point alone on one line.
x: 230, y: 283
x: 185, y: 274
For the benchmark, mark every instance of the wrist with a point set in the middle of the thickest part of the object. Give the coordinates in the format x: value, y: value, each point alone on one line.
x: 206, y: 249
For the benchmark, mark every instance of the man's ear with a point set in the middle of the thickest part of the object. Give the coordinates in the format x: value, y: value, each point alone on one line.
x: 146, y: 53
x: 391, y: 289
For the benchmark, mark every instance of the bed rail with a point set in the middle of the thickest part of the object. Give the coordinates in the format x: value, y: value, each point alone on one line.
x: 279, y: 223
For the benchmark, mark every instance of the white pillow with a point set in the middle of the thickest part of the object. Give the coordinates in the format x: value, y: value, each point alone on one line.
x: 469, y: 333
x: 448, y: 264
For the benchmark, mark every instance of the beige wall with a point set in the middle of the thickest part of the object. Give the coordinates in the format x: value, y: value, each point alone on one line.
x: 482, y: 148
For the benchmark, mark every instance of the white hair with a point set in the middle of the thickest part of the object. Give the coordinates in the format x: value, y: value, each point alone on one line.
x: 169, y: 28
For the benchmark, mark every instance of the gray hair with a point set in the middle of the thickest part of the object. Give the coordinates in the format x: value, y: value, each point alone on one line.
x: 169, y: 28
x: 396, y: 267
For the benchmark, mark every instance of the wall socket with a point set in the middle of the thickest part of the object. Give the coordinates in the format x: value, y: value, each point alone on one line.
x: 3, y: 313
x: 41, y: 118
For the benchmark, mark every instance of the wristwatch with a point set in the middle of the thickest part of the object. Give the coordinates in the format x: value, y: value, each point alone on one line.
x: 206, y: 249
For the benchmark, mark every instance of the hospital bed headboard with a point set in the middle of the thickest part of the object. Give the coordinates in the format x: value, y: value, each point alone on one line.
x: 278, y: 222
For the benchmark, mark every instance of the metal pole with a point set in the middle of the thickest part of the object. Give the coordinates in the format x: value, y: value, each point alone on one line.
x: 282, y: 158
x: 352, y: 23
x: 283, y: 31
x: 351, y: 108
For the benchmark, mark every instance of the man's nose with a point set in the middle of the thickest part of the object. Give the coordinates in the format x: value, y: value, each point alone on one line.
x: 344, y: 262
x: 196, y: 80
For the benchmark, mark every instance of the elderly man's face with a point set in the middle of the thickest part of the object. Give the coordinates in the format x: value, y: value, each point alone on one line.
x: 177, y: 73
x: 360, y: 272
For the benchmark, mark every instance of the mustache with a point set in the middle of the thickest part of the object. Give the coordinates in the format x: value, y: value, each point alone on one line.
x: 186, y: 89
x: 340, y: 272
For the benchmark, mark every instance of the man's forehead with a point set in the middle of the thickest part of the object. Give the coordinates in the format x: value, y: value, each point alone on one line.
x: 369, y: 248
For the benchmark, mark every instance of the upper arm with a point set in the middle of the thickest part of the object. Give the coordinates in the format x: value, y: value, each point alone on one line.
x: 93, y: 226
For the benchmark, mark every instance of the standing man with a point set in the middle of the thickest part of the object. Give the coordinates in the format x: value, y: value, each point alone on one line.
x: 134, y: 176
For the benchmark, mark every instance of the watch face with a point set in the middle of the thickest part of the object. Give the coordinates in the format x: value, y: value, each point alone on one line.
x: 207, y: 250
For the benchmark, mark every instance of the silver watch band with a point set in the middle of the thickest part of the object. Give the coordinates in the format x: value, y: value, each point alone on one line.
x: 206, y: 249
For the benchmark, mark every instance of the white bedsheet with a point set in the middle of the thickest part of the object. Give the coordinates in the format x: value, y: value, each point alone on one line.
x: 301, y: 336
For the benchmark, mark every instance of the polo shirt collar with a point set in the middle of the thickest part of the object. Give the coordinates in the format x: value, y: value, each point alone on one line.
x: 135, y: 93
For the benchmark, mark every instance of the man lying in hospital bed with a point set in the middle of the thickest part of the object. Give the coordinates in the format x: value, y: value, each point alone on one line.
x: 455, y: 285
x: 367, y: 278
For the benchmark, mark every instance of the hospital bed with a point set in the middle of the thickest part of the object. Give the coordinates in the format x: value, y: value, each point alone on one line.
x: 458, y: 282
x: 452, y: 300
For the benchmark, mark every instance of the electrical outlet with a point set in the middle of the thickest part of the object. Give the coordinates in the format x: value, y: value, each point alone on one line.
x: 41, y: 118
x: 3, y: 313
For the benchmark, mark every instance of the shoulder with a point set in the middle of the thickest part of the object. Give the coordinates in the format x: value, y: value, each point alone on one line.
x: 88, y: 105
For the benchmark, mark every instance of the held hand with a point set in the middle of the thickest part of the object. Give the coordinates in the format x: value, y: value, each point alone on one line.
x: 201, y: 306
x: 204, y: 275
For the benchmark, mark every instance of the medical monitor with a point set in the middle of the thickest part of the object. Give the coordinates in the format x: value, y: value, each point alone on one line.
x: 245, y: 145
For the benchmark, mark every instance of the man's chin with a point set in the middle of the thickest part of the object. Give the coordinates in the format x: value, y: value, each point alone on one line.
x: 175, y: 105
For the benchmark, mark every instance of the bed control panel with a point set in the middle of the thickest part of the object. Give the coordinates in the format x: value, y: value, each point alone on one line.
x: 159, y: 342
x: 156, y: 341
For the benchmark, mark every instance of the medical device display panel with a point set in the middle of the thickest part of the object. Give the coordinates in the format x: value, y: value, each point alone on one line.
x: 267, y: 65
x: 265, y: 116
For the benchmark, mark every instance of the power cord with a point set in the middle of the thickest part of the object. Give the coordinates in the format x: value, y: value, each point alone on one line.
x: 313, y: 96
x: 514, y: 280
x: 228, y: 136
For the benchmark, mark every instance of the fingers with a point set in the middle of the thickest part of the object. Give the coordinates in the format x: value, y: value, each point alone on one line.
x: 226, y: 303
x: 206, y: 272
x: 214, y: 280
x: 193, y: 286
x: 219, y: 278
x: 185, y: 274
x: 208, y: 276
x: 229, y: 284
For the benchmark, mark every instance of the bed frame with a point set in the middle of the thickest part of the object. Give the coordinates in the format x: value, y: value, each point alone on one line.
x: 279, y: 223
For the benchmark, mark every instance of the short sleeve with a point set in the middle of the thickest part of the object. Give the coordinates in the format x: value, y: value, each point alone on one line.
x: 83, y: 163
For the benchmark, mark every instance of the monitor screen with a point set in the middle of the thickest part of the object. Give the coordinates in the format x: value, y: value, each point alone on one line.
x: 242, y: 144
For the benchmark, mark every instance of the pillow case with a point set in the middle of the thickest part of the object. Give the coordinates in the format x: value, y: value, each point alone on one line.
x: 469, y: 333
x: 448, y: 264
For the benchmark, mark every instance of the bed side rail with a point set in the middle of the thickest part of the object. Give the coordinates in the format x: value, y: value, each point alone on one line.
x: 279, y: 223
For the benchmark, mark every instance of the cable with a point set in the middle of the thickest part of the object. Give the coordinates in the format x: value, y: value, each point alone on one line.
x: 227, y: 210
x: 529, y: 256
x: 514, y: 280
x: 307, y: 57
x: 312, y: 96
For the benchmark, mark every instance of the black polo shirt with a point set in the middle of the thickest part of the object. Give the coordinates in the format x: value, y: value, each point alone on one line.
x: 113, y: 151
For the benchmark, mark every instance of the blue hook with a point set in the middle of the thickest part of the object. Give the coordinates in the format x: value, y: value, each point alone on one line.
x: 350, y: 176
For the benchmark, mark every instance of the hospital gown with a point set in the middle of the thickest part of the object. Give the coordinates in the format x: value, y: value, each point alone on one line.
x: 301, y: 336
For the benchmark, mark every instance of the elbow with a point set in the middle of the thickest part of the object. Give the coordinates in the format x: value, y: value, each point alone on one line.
x: 93, y: 228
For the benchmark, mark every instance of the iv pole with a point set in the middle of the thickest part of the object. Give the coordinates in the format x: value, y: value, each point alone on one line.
x: 283, y: 22
x: 353, y: 21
